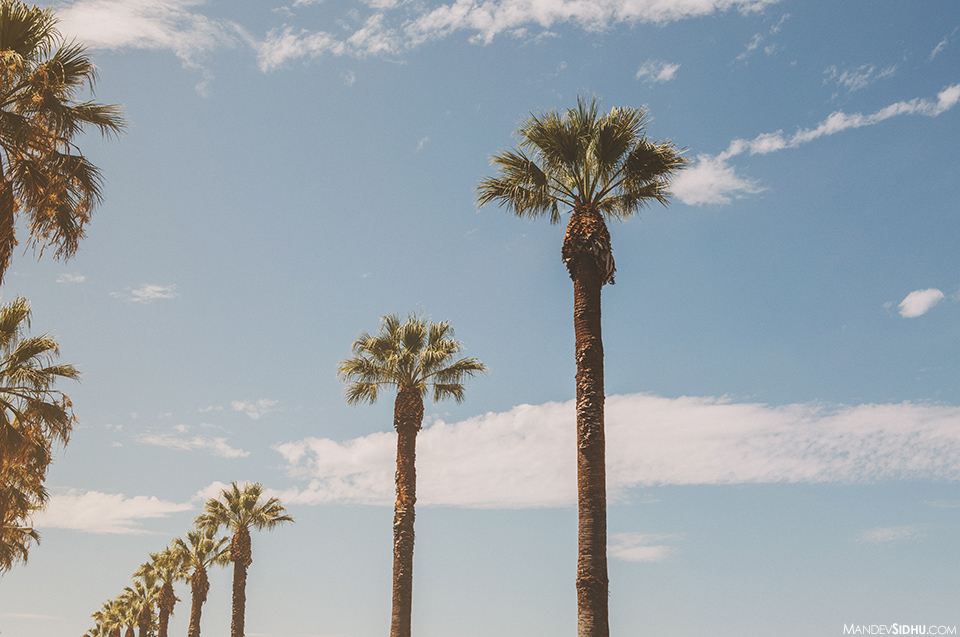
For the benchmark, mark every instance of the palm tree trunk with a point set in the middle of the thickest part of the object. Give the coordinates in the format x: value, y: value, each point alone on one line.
x: 587, y: 253
x: 166, y: 604
x: 407, y: 418
x: 143, y: 621
x: 199, y: 585
x: 242, y: 559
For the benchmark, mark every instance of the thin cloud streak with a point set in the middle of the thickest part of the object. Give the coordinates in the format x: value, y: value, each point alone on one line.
x: 524, y: 458
x: 713, y: 180
x: 391, y: 28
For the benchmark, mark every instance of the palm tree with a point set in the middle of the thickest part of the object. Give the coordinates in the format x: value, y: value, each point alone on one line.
x: 164, y: 568
x: 128, y: 606
x: 142, y: 595
x: 109, y: 619
x: 600, y: 166
x: 412, y: 357
x: 198, y: 551
x: 240, y: 510
x: 42, y: 172
x: 33, y: 416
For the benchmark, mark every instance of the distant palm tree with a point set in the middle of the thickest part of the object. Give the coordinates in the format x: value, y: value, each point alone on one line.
x: 42, y: 172
x: 142, y: 594
x: 413, y: 357
x: 109, y: 619
x: 168, y: 567
x: 599, y: 166
x: 129, y: 608
x: 240, y: 510
x: 198, y: 550
x: 33, y: 416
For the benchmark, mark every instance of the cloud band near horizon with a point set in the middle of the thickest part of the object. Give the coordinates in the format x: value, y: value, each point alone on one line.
x: 524, y: 458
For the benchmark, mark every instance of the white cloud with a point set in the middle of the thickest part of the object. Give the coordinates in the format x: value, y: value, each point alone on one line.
x: 216, y: 446
x: 423, y: 142
x: 96, y: 512
x: 171, y: 25
x: 149, y: 293
x: 394, y: 27
x: 657, y: 71
x: 919, y: 302
x: 639, y: 547
x: 525, y: 457
x: 886, y: 534
x: 858, y: 78
x: 254, y: 409
x: 711, y: 180
x: 714, y: 180
x: 71, y: 278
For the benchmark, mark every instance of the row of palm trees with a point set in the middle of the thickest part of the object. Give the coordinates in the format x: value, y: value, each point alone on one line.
x: 238, y: 509
x: 596, y: 166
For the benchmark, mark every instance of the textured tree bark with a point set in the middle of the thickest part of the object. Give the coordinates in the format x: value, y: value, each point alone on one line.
x: 199, y: 585
x: 242, y: 559
x: 587, y: 253
x: 166, y: 603
x: 407, y: 418
x: 143, y: 621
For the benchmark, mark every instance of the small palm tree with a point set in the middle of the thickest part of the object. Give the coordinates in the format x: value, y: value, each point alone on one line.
x: 165, y: 567
x: 143, y: 593
x: 599, y: 166
x: 42, y: 172
x: 33, y: 416
x: 240, y: 510
x: 413, y: 357
x: 199, y: 550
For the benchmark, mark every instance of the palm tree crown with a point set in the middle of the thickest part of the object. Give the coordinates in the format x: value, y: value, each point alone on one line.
x: 585, y: 160
x: 42, y: 172
x: 33, y: 416
x: 414, y: 355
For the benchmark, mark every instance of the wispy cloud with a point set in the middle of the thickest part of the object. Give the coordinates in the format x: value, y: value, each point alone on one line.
x: 96, y: 512
x: 640, y: 547
x: 919, y: 302
x: 657, y: 71
x: 887, y: 534
x: 521, y: 458
x: 71, y: 278
x: 216, y: 446
x: 149, y: 293
x: 713, y: 180
x: 937, y: 50
x: 395, y: 27
x: 254, y: 409
x: 758, y: 39
x: 173, y: 25
x: 858, y: 78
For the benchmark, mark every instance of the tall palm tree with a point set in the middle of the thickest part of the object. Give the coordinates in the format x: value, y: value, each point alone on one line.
x: 164, y: 568
x: 42, y: 172
x: 198, y: 551
x: 109, y: 619
x: 240, y: 510
x: 600, y: 166
x: 33, y: 416
x: 413, y: 357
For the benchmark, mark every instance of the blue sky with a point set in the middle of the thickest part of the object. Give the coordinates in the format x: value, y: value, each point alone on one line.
x: 781, y: 343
